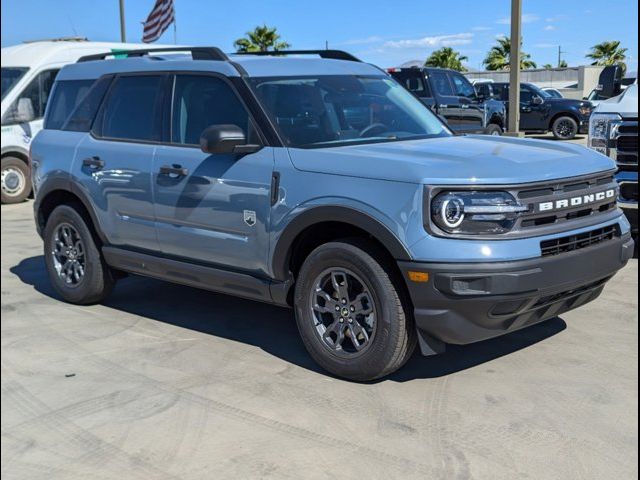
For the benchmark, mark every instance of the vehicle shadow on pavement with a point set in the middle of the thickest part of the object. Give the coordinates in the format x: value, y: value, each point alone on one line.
x: 270, y: 328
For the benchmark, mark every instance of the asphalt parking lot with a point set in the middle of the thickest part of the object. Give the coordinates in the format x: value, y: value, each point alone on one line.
x: 165, y: 381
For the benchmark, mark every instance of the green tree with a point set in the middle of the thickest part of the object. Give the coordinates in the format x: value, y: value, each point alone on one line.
x: 547, y: 66
x: 260, y: 39
x: 447, y: 57
x: 563, y: 64
x: 499, y: 56
x: 608, y: 53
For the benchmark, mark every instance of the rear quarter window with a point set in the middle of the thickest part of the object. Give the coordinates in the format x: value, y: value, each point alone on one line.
x: 67, y: 95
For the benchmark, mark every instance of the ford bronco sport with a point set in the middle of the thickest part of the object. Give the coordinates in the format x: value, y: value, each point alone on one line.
x: 319, y: 183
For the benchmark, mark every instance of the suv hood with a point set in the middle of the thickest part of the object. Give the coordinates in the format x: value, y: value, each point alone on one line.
x: 458, y: 160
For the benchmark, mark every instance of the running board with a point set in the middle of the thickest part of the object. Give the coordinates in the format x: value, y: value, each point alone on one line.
x: 193, y: 275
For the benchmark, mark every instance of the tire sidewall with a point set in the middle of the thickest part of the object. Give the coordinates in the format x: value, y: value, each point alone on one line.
x: 556, y: 124
x: 494, y: 128
x: 92, y: 283
x: 380, y: 353
x: 24, y: 168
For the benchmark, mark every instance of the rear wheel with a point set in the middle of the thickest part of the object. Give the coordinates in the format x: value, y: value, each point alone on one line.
x: 16, y: 183
x: 564, y: 128
x: 74, y: 262
x: 350, y: 312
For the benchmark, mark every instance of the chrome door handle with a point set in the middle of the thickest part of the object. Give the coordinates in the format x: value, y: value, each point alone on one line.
x: 174, y: 171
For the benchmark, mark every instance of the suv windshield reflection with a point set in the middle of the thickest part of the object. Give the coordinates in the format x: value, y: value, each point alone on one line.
x: 332, y: 110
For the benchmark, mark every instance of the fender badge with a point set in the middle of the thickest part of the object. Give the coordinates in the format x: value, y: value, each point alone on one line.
x: 250, y: 217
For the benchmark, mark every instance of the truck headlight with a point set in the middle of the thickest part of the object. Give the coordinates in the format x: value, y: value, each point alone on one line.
x: 475, y: 213
x: 599, y: 129
x: 585, y: 109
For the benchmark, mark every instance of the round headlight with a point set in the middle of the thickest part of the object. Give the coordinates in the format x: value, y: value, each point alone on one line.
x: 452, y: 212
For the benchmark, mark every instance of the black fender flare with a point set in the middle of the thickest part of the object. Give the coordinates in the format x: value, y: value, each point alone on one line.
x: 64, y: 183
x: 332, y: 213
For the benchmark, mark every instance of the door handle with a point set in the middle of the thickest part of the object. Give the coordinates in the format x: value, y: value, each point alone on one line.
x: 174, y: 170
x: 93, y: 162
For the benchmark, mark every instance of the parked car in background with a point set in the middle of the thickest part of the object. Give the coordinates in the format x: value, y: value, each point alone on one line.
x: 553, y: 92
x: 452, y: 96
x: 28, y: 73
x: 542, y: 113
x: 613, y: 132
x: 322, y: 185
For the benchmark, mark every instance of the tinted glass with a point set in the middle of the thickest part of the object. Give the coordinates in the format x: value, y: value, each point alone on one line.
x: 331, y: 110
x: 441, y: 84
x: 200, y: 101
x: 66, y: 96
x: 31, y: 103
x: 82, y: 116
x: 463, y: 87
x: 501, y: 91
x: 133, y: 110
x: 10, y: 76
x: 483, y: 89
x: 526, y: 94
x: 414, y: 82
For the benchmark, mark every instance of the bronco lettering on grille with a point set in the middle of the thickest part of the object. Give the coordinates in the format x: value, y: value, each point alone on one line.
x: 577, y: 201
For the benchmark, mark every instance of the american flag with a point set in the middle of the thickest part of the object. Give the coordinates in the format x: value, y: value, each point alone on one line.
x: 158, y: 20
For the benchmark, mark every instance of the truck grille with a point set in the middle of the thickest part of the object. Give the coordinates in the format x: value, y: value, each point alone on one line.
x: 579, y: 241
x: 624, y: 151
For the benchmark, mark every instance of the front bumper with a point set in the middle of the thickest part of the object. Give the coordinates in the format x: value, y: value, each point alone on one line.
x: 583, y: 126
x: 628, y: 199
x: 468, y: 302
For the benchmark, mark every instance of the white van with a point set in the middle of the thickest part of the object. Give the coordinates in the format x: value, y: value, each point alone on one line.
x: 28, y: 72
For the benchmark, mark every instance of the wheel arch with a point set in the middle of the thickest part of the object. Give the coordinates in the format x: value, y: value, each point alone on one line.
x: 330, y: 216
x: 60, y: 191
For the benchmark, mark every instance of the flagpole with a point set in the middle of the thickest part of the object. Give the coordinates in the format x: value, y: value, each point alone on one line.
x: 123, y: 35
x: 175, y: 31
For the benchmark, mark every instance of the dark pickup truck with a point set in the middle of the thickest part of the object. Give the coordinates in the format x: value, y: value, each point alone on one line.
x: 451, y: 96
x: 542, y: 113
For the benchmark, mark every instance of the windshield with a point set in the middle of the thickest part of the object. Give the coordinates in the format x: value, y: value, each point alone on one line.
x: 10, y: 76
x: 332, y: 110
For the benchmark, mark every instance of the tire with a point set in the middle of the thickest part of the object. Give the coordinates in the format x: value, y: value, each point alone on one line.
x: 494, y: 129
x: 392, y: 338
x: 16, y: 180
x: 96, y: 281
x: 564, y: 128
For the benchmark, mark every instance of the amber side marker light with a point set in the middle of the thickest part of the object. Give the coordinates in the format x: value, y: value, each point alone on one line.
x: 418, y: 277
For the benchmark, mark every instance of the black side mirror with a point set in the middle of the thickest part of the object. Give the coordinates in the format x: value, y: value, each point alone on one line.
x: 537, y: 100
x: 225, y: 139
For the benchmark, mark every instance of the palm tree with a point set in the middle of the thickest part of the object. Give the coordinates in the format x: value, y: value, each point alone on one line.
x: 609, y: 53
x: 499, y: 56
x: 261, y: 39
x: 446, y: 57
x: 563, y: 64
x: 547, y: 66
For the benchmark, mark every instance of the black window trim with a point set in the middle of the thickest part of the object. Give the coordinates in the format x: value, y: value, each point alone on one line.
x: 266, y: 131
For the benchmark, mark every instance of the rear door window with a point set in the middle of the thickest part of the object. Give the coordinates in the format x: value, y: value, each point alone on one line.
x: 133, y: 109
x: 414, y: 82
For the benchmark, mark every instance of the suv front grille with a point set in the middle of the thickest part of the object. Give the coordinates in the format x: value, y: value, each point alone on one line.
x: 554, y: 192
x: 624, y: 136
x: 579, y: 241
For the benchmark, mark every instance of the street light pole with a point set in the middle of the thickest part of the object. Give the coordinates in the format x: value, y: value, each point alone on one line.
x: 514, y: 68
x: 123, y: 35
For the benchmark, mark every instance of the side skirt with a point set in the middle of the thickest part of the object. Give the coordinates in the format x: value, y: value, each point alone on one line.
x: 194, y: 275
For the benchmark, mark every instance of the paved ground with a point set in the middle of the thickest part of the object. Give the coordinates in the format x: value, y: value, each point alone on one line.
x: 165, y: 381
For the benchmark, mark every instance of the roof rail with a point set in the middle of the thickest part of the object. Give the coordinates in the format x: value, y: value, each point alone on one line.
x: 198, y: 53
x: 332, y: 54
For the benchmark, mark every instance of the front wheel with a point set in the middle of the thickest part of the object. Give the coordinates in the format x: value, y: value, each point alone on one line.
x: 564, y: 128
x: 350, y: 312
x: 493, y: 129
x: 16, y: 181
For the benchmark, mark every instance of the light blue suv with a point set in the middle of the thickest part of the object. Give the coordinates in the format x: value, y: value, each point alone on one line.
x: 322, y: 184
